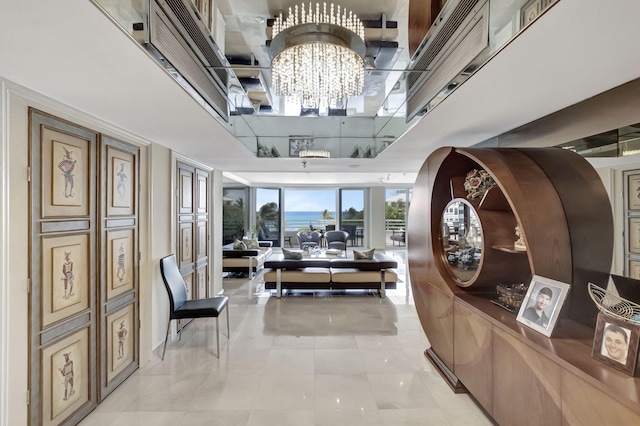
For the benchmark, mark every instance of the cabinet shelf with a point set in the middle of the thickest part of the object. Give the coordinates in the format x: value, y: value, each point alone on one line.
x: 494, y: 199
x: 507, y: 248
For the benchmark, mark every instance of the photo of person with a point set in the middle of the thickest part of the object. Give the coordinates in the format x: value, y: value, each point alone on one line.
x: 536, y: 311
x: 615, y: 342
x: 542, y: 304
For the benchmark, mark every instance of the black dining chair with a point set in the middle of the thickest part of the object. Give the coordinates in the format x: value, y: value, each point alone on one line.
x: 181, y: 308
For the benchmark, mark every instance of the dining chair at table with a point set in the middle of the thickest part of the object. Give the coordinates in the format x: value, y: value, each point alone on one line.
x: 351, y: 230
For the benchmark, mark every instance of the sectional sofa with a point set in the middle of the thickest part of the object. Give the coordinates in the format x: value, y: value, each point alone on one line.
x: 247, y: 261
x: 330, y: 273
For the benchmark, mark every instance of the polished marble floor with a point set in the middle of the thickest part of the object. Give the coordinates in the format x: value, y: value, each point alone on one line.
x: 306, y: 359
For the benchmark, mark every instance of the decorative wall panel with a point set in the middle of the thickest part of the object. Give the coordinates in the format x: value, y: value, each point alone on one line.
x: 63, y: 253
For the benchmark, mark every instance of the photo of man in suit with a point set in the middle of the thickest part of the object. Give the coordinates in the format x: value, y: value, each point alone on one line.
x: 536, y: 312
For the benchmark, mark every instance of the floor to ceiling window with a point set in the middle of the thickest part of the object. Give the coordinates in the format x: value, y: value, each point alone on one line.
x: 352, y: 215
x: 267, y: 225
x: 396, y: 207
x: 235, y: 209
x: 308, y: 209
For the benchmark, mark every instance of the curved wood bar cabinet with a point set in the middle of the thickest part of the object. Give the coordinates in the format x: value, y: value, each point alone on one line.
x: 518, y: 375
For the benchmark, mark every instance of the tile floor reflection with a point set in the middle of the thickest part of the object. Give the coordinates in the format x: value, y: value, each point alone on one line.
x: 316, y: 358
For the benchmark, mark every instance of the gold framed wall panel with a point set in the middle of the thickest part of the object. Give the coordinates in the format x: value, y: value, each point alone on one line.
x: 202, y: 180
x: 631, y: 217
x: 65, y: 279
x: 201, y: 240
x: 65, y: 173
x: 66, y: 377
x: 121, y: 341
x: 186, y: 244
x: 120, y: 264
x: 185, y: 190
x: 121, y: 182
x: 202, y: 281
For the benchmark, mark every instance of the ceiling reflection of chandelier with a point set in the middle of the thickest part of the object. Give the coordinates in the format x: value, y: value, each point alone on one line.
x: 314, y: 153
x: 318, y: 55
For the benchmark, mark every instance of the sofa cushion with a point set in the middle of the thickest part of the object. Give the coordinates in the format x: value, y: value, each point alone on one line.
x: 239, y: 245
x: 292, y: 254
x: 243, y: 262
x: 353, y: 275
x: 305, y: 275
x: 390, y: 276
x: 364, y: 254
x: 251, y: 244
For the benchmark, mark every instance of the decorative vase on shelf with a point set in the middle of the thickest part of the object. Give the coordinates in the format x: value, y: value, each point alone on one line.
x: 477, y: 182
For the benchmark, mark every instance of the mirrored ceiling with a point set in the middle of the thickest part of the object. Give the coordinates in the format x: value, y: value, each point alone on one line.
x: 219, y: 52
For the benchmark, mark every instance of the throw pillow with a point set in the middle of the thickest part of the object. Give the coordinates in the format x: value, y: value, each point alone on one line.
x: 239, y: 245
x: 251, y: 244
x: 364, y: 254
x: 292, y: 254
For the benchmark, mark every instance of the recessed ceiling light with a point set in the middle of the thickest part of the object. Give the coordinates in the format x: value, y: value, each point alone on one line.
x: 353, y: 166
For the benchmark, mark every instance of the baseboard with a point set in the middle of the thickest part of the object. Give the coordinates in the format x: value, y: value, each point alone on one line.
x: 454, y: 383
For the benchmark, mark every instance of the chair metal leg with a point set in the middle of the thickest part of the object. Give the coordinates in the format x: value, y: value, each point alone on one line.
x: 218, y: 334
x: 228, y: 333
x: 166, y: 338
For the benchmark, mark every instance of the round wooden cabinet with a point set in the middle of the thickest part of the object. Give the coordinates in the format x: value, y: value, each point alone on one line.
x: 462, y: 244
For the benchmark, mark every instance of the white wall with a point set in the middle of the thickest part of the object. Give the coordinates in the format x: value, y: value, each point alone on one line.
x: 15, y: 270
x: 215, y: 254
x: 154, y: 301
x: 377, y: 211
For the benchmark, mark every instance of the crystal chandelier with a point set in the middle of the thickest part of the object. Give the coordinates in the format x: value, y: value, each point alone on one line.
x: 318, y: 55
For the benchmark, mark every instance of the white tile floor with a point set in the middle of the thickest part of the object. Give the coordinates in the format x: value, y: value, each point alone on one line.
x: 306, y: 359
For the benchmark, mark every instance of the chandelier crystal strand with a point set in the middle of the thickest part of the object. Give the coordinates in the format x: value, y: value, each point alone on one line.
x: 319, y: 74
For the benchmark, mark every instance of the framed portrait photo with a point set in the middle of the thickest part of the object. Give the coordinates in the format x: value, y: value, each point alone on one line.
x: 542, y: 304
x: 616, y: 343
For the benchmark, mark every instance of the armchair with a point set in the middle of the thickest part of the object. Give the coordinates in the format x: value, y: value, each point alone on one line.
x: 308, y: 239
x: 336, y: 239
x: 398, y: 236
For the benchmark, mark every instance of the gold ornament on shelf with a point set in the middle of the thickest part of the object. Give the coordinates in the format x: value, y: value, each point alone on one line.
x: 519, y: 245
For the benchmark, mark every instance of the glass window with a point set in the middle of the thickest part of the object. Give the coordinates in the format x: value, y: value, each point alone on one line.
x: 352, y: 215
x: 234, y: 214
x: 309, y: 208
x: 267, y: 227
x: 396, y: 207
